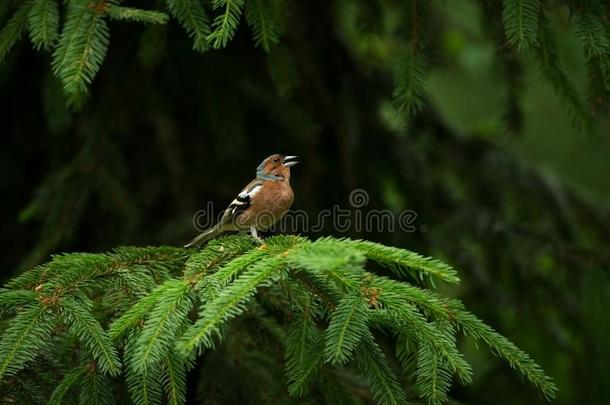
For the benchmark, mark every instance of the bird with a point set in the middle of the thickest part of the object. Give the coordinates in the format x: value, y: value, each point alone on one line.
x: 260, y: 204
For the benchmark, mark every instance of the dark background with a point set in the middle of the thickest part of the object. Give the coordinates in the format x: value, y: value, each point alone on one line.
x: 522, y: 214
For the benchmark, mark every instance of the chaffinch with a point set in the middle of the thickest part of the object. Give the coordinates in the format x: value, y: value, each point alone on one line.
x: 260, y: 204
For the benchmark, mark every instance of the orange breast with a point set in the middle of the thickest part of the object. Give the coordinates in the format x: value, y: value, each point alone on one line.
x: 268, y: 206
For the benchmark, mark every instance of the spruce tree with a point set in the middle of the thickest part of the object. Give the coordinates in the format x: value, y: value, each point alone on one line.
x: 139, y: 320
x: 326, y: 320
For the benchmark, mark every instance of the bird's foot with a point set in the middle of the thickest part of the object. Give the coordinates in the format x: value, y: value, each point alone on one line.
x: 257, y: 239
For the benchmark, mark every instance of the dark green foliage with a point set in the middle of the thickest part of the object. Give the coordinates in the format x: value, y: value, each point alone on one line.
x: 96, y: 388
x: 521, y: 22
x: 373, y: 364
x: 551, y: 69
x: 135, y: 14
x: 83, y: 43
x: 517, y: 359
x: 82, y: 46
x: 304, y: 351
x: 130, y: 162
x: 226, y: 23
x: 83, y: 325
x: 346, y: 329
x: 230, y: 280
x: 592, y: 31
x: 69, y: 380
x: 43, y: 23
x: 14, y: 28
x: 175, y: 371
x: 411, y: 67
x: 194, y: 19
x: 262, y: 17
x: 28, y: 333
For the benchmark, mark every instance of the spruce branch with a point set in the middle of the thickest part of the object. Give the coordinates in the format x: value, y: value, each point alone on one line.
x: 331, y: 260
x: 135, y: 314
x: 403, y: 262
x: 21, y: 342
x: 347, y: 327
x: 404, y: 318
x: 66, y: 384
x: 95, y: 388
x: 520, y: 19
x: 135, y: 14
x: 225, y: 25
x: 304, y: 351
x: 300, y: 287
x: 409, y: 77
x: 550, y: 67
x: 410, y: 71
x: 433, y: 376
x: 217, y: 253
x: 91, y: 334
x: 261, y: 16
x: 194, y: 19
x: 14, y: 28
x: 502, y: 347
x: 230, y: 303
x: 174, y: 377
x: 145, y: 387
x: 382, y: 380
x: 43, y: 23
x: 166, y: 318
x: 12, y: 300
x: 593, y: 32
x: 507, y: 65
x: 82, y: 45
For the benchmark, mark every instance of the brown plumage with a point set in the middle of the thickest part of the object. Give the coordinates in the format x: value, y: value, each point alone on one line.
x: 262, y: 203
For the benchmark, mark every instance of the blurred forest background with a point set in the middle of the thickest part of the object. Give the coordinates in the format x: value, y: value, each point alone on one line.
x: 512, y: 185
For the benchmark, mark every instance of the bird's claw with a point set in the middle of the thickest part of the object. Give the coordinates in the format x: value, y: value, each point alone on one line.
x: 256, y: 238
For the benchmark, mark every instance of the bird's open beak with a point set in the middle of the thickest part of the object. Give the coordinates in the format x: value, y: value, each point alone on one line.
x: 290, y: 160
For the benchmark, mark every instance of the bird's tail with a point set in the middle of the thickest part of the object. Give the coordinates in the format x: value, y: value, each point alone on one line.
x: 205, y: 236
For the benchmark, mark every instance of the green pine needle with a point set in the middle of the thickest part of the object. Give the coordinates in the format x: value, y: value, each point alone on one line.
x: 410, y: 71
x: 347, y: 327
x: 174, y: 378
x: 65, y: 385
x: 225, y: 25
x: 299, y: 286
x: 433, y: 377
x: 145, y: 387
x: 194, y: 19
x: 82, y: 46
x: 21, y: 342
x: 165, y: 319
x: 304, y: 351
x: 549, y: 64
x: 261, y: 16
x: 594, y: 35
x: 230, y: 303
x: 505, y: 349
x: 43, y: 23
x: 372, y: 363
x: 402, y: 261
x: 96, y: 388
x: 520, y: 19
x: 11, y: 300
x: 91, y: 334
x: 410, y: 78
x: 14, y: 28
x: 135, y: 14
x: 135, y: 314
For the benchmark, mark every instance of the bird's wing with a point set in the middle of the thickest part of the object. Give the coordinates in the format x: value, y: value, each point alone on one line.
x: 242, y: 201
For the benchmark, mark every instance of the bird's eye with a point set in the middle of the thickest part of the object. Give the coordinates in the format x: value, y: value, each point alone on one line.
x: 276, y: 159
